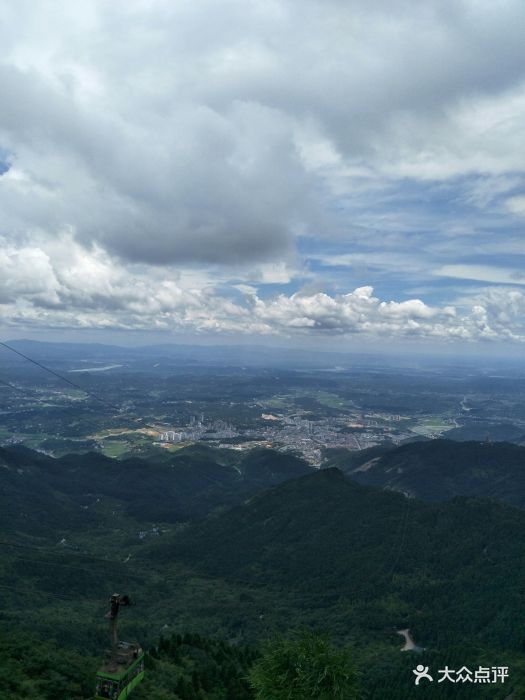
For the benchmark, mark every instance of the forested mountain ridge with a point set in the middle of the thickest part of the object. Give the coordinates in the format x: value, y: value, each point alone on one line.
x: 39, y: 491
x: 437, y: 470
x: 317, y: 550
x: 329, y: 540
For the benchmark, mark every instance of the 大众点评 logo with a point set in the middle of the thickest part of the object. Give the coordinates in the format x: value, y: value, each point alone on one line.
x: 483, y: 674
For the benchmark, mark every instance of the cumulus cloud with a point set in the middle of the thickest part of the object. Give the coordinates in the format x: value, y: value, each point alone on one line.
x: 169, y: 132
x: 26, y: 272
x: 168, y: 142
x: 37, y: 290
x: 194, y: 185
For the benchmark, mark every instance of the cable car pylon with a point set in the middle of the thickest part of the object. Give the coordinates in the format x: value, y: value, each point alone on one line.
x: 123, y: 668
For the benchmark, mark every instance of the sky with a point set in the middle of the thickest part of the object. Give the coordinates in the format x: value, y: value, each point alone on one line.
x: 333, y: 173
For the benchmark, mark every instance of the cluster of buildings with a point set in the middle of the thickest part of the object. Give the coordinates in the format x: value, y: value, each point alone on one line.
x: 300, y: 434
x: 199, y: 429
x: 294, y: 432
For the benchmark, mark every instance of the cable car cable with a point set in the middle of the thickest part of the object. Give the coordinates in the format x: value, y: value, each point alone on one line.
x: 60, y: 376
x: 33, y: 395
x: 73, y: 384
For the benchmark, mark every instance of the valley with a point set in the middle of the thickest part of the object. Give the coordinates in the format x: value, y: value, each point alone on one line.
x: 286, y: 506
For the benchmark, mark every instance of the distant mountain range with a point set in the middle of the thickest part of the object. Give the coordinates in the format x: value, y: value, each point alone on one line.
x: 259, y: 355
x: 191, y: 355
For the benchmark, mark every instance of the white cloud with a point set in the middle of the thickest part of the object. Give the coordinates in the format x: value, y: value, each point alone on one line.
x: 27, y: 272
x: 85, y: 289
x: 482, y: 273
x: 161, y: 150
x: 516, y: 205
x: 169, y: 132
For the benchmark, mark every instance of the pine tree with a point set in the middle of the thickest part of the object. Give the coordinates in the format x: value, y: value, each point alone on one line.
x: 303, y: 667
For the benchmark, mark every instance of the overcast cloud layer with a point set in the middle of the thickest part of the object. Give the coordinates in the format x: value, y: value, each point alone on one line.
x: 287, y: 167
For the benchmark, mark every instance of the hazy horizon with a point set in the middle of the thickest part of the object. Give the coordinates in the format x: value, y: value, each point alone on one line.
x: 248, y: 352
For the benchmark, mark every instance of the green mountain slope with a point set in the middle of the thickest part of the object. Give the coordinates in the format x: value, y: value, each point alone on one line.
x: 438, y: 470
x: 37, y: 491
x: 319, y: 550
x: 382, y: 560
